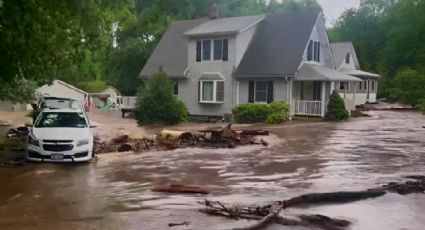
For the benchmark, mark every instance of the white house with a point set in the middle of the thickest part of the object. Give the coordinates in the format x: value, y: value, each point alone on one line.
x: 62, y: 89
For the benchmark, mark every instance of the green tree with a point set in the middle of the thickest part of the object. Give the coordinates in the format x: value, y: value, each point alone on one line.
x: 409, y: 87
x: 158, y: 103
x: 336, y: 108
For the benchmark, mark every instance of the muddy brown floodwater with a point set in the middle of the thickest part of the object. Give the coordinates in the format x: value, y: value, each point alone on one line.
x: 115, y: 192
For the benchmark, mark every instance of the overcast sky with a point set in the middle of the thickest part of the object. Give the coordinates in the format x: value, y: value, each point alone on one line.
x: 334, y: 8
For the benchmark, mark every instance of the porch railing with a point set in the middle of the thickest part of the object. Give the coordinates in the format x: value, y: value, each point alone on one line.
x: 307, y: 108
x: 127, y: 102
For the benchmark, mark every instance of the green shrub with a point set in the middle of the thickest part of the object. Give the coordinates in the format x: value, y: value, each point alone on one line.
x: 276, y: 112
x: 280, y: 107
x: 158, y: 105
x: 276, y: 118
x: 336, y: 108
x: 251, y: 113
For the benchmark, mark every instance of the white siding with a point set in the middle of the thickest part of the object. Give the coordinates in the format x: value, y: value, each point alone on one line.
x: 350, y: 65
x: 319, y: 34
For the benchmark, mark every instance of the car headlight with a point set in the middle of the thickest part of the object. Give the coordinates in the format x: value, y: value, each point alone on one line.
x: 33, y: 141
x: 82, y: 142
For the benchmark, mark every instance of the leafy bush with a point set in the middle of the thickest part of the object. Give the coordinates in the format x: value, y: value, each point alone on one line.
x: 276, y: 112
x: 251, y: 113
x: 276, y: 118
x: 409, y: 87
x: 95, y: 86
x: 158, y: 104
x: 280, y: 107
x: 336, y: 108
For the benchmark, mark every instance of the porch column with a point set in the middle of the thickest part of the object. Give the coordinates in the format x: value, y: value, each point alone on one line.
x: 323, y: 98
x: 332, y: 86
x: 355, y: 92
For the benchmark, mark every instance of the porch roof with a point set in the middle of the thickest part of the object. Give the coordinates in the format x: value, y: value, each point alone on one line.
x: 359, y: 73
x: 314, y: 72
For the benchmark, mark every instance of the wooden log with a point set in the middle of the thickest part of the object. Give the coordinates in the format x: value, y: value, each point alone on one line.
x: 253, y: 132
x: 333, y: 197
x: 181, y: 188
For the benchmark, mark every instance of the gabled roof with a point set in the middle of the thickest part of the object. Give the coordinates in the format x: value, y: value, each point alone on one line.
x: 278, y: 44
x: 315, y: 72
x: 340, y: 50
x: 64, y: 84
x: 359, y: 73
x: 224, y: 26
x: 170, y: 55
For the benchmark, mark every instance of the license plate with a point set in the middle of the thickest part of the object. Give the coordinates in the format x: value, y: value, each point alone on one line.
x: 56, y: 156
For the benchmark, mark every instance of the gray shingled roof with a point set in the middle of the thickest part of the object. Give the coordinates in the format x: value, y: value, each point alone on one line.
x: 340, y: 50
x: 359, y: 73
x: 224, y: 26
x: 170, y: 55
x: 314, y: 72
x: 278, y: 45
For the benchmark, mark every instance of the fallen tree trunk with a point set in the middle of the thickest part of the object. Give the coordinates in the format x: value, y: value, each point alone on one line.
x: 332, y: 197
x: 253, y: 132
x: 270, y: 214
x: 181, y: 188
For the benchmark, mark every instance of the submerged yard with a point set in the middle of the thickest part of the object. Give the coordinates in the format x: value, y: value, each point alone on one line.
x: 114, y: 192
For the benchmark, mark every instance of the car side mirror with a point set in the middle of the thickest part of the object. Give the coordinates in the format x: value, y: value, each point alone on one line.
x: 34, y: 106
x: 92, y: 126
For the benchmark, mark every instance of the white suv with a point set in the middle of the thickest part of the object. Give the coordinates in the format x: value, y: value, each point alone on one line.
x: 60, y: 135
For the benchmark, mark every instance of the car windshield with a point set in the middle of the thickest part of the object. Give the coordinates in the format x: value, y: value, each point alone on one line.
x: 59, y: 104
x: 60, y: 119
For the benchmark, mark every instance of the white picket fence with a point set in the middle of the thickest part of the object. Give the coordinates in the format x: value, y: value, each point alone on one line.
x: 307, y: 108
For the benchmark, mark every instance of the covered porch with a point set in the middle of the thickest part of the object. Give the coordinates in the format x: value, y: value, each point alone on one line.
x: 312, y: 87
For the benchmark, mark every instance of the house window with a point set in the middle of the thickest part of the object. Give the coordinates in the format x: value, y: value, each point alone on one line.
x: 347, y: 58
x: 217, y: 49
x: 365, y: 84
x: 211, y: 91
x: 176, y: 88
x: 373, y: 85
x: 206, y: 50
x: 317, y: 91
x: 313, y: 51
x: 344, y: 86
x: 360, y: 85
x: 260, y: 91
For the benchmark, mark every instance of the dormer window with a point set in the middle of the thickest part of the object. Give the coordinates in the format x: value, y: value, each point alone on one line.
x: 347, y: 58
x: 313, y: 51
x: 219, y: 47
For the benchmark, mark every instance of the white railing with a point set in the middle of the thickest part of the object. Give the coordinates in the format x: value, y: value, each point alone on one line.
x: 127, y: 102
x: 307, y: 108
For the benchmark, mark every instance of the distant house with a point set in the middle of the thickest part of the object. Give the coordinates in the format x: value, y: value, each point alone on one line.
x: 219, y: 63
x: 62, y: 89
x: 101, y: 99
x: 345, y: 59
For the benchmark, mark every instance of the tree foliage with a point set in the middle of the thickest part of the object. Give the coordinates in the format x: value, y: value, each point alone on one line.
x: 409, y: 87
x: 92, y: 41
x: 158, y: 103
